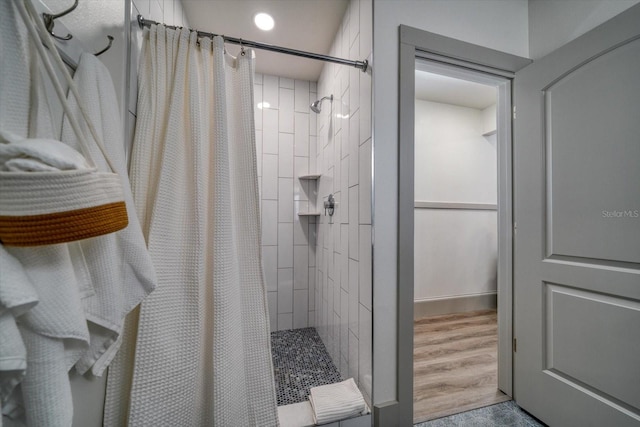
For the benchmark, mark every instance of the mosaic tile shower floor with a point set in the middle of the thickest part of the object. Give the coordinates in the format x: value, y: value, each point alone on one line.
x: 506, y: 414
x: 300, y: 361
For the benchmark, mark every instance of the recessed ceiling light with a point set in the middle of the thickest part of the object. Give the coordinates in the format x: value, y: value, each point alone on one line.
x: 264, y: 21
x: 263, y: 105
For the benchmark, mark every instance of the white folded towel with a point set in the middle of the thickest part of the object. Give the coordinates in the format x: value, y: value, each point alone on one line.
x: 296, y: 415
x: 37, y: 154
x: 337, y: 401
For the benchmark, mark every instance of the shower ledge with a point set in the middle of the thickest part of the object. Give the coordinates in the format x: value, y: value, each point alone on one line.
x: 310, y: 177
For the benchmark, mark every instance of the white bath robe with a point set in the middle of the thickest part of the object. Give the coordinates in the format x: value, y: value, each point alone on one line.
x: 122, y: 273
x: 54, y: 330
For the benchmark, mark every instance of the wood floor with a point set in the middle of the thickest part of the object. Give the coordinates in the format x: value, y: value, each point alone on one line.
x: 455, y: 364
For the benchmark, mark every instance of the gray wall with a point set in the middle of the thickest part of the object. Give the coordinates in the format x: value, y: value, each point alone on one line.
x: 555, y: 23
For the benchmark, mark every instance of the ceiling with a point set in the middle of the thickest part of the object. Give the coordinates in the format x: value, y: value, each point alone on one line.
x: 449, y: 90
x: 309, y: 25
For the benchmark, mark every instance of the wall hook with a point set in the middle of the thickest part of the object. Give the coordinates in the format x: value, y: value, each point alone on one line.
x: 110, y: 37
x: 50, y: 18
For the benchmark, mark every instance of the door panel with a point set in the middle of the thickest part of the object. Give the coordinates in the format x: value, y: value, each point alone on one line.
x: 577, y: 241
x: 592, y: 153
x: 577, y: 323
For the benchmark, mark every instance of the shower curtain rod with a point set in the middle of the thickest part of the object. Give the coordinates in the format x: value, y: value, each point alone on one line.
x: 361, y: 65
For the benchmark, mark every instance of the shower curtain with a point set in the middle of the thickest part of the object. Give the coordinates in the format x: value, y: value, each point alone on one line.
x: 197, y: 352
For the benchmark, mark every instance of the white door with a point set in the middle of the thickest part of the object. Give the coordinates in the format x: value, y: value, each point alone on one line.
x: 577, y: 230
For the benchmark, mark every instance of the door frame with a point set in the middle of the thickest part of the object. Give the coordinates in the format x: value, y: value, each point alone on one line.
x: 467, y: 59
x: 504, y: 204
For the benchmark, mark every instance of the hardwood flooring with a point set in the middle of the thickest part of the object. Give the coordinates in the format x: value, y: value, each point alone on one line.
x: 455, y: 364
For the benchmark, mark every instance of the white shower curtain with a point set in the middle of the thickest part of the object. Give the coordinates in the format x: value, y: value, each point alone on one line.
x: 199, y: 352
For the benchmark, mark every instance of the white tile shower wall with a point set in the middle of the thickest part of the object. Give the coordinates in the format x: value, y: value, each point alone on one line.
x: 283, y: 136
x: 342, y: 154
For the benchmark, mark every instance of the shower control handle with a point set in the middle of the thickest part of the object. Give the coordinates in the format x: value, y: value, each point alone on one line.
x: 329, y: 205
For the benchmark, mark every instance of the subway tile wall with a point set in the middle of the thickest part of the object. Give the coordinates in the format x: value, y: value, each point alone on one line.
x: 285, y: 131
x: 342, y: 154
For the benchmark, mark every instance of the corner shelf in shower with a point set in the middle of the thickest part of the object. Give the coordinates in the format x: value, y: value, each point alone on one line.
x: 309, y: 177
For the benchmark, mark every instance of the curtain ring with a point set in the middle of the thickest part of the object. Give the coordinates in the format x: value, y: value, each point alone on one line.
x: 241, y: 48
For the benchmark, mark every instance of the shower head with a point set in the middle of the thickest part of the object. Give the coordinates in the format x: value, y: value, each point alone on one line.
x: 316, y: 105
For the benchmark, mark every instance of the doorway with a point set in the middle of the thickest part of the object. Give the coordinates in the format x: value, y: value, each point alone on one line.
x: 456, y: 257
x: 454, y: 59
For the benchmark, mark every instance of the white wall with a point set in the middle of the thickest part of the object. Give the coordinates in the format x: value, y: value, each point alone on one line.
x: 489, y: 123
x: 454, y: 162
x: 343, y: 156
x: 455, y: 250
x: 555, y: 23
x: 284, y: 133
x: 455, y: 253
x: 89, y: 24
x: 497, y: 24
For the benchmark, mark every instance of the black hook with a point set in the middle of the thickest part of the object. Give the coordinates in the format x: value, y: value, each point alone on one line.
x: 106, y: 48
x: 49, y: 21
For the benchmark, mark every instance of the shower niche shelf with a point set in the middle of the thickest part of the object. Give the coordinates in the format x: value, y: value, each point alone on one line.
x: 309, y: 177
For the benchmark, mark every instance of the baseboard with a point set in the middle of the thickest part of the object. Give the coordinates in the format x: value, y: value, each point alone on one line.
x: 386, y: 414
x: 455, y: 304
